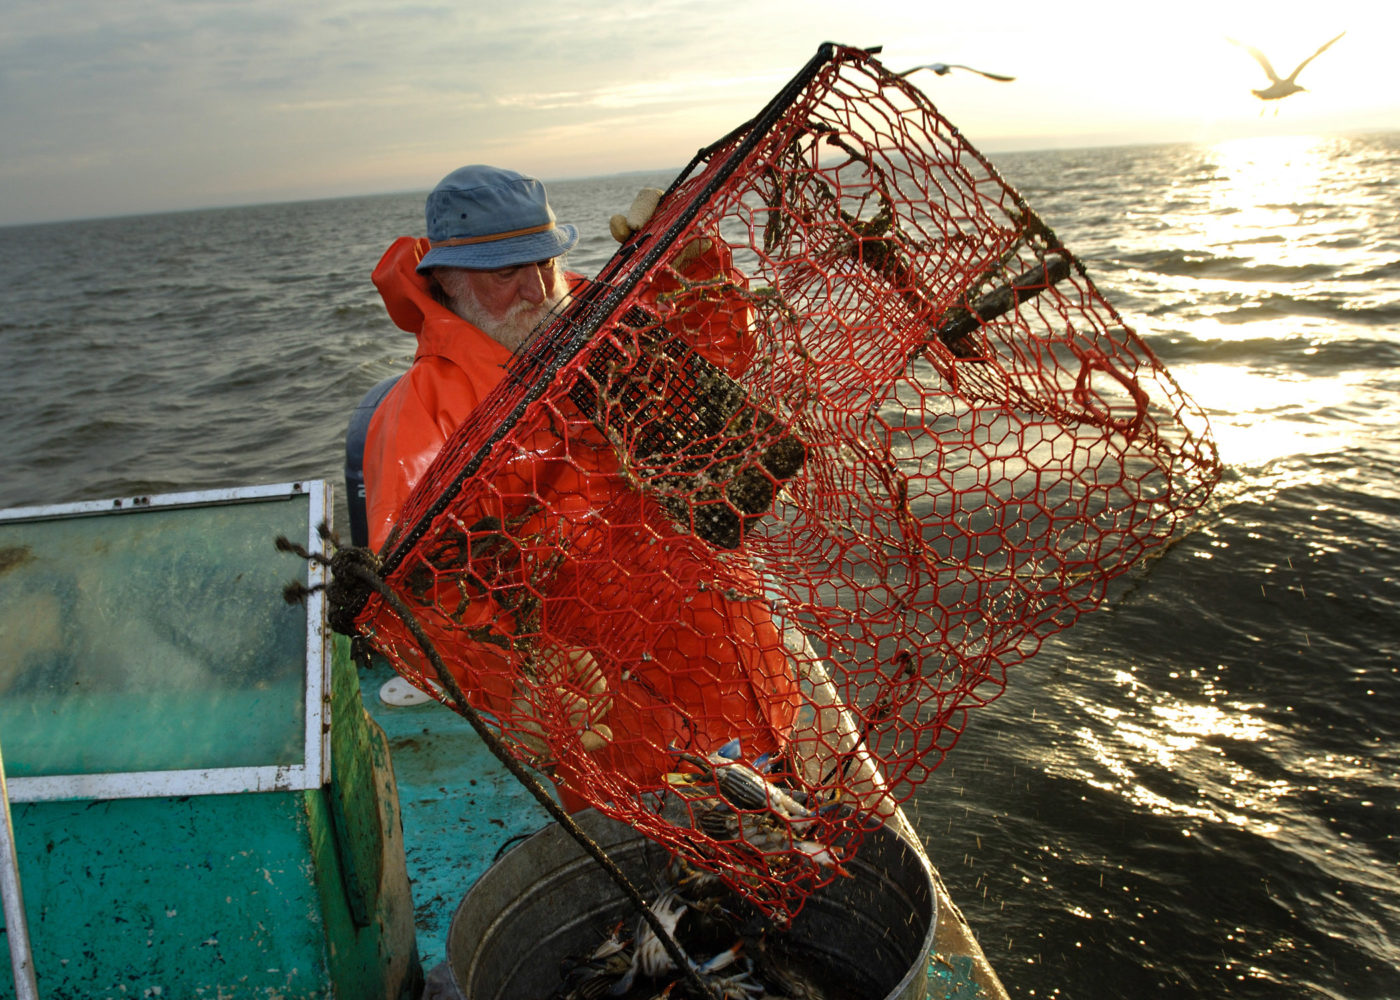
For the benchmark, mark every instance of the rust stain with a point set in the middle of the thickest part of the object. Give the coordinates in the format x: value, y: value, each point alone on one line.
x: 14, y: 557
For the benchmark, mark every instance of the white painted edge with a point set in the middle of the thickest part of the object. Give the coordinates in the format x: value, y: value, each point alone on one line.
x: 164, y: 784
x: 318, y: 648
x: 190, y: 499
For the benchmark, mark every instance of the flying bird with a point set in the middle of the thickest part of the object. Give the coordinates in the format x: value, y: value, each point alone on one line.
x: 943, y: 69
x: 1279, y: 88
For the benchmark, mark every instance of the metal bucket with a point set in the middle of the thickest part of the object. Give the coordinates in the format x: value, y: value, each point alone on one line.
x: 546, y: 900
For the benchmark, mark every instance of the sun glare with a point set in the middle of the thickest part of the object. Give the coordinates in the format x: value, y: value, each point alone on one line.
x: 1258, y: 417
x: 1265, y: 185
x: 1269, y: 170
x: 1265, y: 219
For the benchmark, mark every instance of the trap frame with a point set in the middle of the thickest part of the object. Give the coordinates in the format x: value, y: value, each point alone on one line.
x: 841, y: 435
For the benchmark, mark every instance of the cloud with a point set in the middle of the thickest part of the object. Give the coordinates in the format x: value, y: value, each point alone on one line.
x: 683, y: 90
x: 111, y: 107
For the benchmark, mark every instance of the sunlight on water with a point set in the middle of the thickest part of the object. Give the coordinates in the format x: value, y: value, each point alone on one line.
x: 1267, y: 183
x: 1259, y: 416
x: 1261, y: 216
x: 1157, y: 735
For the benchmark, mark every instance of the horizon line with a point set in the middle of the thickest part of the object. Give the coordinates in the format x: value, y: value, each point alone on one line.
x: 984, y: 148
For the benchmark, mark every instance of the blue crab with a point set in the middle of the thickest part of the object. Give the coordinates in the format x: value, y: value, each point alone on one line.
x: 743, y: 786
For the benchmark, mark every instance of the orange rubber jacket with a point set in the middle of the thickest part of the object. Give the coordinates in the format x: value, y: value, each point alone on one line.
x: 716, y: 668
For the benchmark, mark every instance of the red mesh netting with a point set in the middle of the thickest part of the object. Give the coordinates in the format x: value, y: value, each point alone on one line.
x: 811, y: 485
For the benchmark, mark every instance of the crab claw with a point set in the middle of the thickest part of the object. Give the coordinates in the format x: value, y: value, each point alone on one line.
x: 723, y: 960
x: 731, y: 750
x: 650, y: 955
x: 821, y: 854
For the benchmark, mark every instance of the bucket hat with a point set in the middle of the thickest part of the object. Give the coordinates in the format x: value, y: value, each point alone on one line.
x: 486, y: 217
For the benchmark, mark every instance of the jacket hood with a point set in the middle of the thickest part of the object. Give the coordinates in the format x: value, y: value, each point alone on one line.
x: 406, y: 293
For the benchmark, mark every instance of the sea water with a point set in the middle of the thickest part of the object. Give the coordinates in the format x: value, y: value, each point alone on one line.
x: 1193, y: 792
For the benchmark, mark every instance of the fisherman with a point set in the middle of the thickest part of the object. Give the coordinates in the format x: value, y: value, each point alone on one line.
x: 489, y: 272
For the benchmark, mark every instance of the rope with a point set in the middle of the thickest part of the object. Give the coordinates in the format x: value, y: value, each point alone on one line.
x: 354, y: 573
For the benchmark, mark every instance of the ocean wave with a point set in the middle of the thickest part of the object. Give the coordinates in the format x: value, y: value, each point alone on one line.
x: 1202, y: 264
x: 344, y: 317
x: 1300, y: 353
x: 1336, y: 307
x: 1381, y: 272
x: 1260, y: 239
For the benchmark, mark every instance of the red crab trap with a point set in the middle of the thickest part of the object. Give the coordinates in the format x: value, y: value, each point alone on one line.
x: 834, y: 440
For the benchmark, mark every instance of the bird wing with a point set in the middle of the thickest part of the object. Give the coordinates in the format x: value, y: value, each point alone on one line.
x: 1263, y: 60
x: 942, y: 70
x: 1294, y: 74
x: 939, y: 68
x: 989, y: 76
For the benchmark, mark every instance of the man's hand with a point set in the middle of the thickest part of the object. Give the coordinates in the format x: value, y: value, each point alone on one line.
x: 622, y: 226
x: 643, y: 208
x: 572, y: 686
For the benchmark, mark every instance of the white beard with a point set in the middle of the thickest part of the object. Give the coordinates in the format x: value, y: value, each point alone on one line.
x: 515, y: 327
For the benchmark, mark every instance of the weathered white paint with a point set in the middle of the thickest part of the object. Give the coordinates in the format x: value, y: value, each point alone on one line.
x: 16, y: 924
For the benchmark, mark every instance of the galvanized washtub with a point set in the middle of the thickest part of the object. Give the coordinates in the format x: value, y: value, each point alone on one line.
x: 868, y: 936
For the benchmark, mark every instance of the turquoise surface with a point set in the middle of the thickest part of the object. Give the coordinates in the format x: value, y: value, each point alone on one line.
x: 952, y: 978
x: 202, y: 896
x: 157, y: 639
x: 460, y: 806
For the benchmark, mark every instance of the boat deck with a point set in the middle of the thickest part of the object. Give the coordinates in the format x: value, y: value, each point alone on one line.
x: 460, y: 806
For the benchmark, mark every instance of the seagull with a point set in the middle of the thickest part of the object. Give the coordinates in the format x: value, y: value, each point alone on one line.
x: 943, y: 69
x: 1279, y: 88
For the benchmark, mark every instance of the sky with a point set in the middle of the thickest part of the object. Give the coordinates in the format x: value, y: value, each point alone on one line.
x: 118, y: 107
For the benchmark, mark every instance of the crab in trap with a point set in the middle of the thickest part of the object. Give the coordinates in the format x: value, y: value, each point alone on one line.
x: 745, y: 803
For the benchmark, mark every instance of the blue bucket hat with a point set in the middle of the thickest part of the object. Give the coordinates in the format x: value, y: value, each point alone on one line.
x: 486, y: 217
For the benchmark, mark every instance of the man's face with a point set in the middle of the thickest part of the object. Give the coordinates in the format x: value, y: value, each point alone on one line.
x: 509, y: 302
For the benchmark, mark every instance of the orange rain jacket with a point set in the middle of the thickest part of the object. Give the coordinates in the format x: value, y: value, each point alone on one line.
x: 716, y: 666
